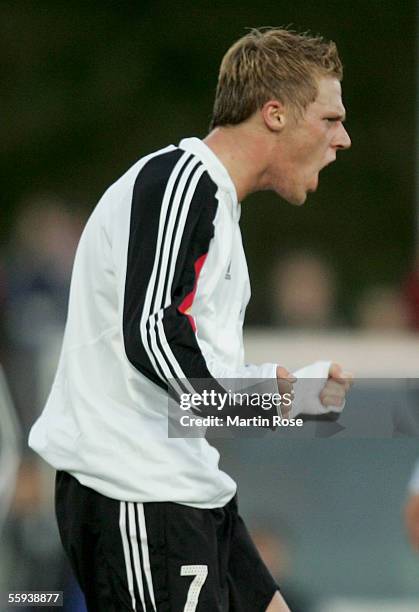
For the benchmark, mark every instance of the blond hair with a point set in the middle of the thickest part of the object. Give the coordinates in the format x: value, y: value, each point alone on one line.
x: 272, y: 63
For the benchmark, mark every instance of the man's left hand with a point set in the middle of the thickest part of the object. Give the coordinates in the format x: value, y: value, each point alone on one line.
x: 336, y: 387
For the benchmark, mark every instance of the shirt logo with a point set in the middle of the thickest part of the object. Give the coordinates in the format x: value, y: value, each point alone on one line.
x: 228, y: 273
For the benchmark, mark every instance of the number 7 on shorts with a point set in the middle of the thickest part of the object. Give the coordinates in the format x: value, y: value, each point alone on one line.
x: 200, y: 572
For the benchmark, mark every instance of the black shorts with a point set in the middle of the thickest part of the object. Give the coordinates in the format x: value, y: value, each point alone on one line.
x: 159, y: 556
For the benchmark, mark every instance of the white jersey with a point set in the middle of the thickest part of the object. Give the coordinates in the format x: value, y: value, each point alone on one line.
x: 159, y: 290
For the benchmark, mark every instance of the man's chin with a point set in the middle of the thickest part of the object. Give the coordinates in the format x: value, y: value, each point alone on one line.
x: 297, y: 199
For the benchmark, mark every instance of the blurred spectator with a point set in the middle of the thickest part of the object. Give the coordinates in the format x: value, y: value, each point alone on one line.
x: 411, y: 509
x: 411, y: 294
x: 42, y: 251
x: 382, y: 308
x: 37, y: 276
x: 10, y: 448
x: 30, y: 540
x: 304, y: 292
x: 38, y: 270
x: 34, y: 286
x: 273, y: 540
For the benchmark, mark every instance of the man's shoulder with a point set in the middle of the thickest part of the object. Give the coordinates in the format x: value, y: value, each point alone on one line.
x: 173, y: 171
x: 179, y: 170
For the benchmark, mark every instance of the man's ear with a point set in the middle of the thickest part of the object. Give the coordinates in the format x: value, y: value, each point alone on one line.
x: 274, y: 115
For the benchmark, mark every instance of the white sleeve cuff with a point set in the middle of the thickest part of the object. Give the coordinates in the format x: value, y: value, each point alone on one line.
x: 310, y: 381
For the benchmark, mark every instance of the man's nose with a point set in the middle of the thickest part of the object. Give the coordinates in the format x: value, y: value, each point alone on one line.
x: 343, y: 140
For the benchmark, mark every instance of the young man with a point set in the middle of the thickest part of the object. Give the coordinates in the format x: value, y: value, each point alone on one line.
x: 158, y: 292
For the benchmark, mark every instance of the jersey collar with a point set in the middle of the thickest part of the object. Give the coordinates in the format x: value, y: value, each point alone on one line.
x: 216, y: 169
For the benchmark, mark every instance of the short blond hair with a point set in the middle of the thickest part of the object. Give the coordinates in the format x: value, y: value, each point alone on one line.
x: 272, y: 63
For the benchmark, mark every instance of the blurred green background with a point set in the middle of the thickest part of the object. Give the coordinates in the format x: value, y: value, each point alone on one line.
x: 89, y: 87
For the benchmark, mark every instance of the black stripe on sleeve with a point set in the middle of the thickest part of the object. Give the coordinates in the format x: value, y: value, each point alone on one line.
x: 148, y: 194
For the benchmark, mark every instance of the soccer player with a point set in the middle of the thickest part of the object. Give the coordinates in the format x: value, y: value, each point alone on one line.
x: 158, y: 292
x: 411, y: 509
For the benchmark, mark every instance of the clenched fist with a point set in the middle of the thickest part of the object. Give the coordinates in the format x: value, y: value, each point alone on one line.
x: 336, y: 387
x: 318, y: 388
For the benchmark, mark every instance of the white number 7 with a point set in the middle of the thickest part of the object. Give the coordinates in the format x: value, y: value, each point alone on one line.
x: 200, y: 572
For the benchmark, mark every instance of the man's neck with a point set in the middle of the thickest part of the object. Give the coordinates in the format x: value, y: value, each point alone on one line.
x: 239, y: 150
